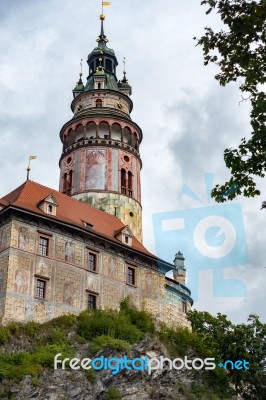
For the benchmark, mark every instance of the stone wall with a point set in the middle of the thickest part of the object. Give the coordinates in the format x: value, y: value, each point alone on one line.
x: 68, y: 281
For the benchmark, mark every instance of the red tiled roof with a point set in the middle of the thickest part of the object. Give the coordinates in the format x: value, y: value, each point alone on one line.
x: 69, y: 210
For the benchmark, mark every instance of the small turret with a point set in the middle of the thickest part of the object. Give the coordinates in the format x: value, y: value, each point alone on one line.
x: 180, y: 270
x: 79, y: 88
x: 123, y: 85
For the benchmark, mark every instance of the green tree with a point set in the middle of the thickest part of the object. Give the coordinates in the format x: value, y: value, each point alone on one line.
x: 239, y: 52
x: 236, y: 342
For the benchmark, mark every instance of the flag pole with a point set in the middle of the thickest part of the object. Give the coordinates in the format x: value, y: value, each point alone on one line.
x: 28, y: 168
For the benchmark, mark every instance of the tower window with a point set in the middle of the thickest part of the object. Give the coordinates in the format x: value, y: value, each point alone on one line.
x: 91, y: 302
x: 43, y: 246
x: 99, y: 85
x: 123, y: 181
x: 99, y: 102
x: 108, y: 65
x: 184, y: 306
x: 130, y: 181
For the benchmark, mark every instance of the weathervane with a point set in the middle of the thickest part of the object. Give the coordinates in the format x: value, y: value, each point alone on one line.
x: 104, y: 3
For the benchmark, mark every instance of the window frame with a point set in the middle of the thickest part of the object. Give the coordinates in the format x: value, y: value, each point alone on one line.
x: 96, y: 258
x: 45, y: 280
x: 134, y: 276
x: 94, y: 297
x: 46, y: 238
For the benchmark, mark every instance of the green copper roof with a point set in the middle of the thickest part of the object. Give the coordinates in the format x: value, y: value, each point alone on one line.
x: 111, y: 82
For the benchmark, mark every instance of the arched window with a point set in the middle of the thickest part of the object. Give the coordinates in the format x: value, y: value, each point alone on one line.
x: 123, y: 182
x: 130, y: 184
x: 64, y: 183
x: 70, y: 181
x: 116, y: 132
x: 79, y: 133
x: 99, y: 102
x: 103, y: 130
x: 127, y: 135
x: 91, y: 130
x: 108, y: 65
x: 99, y: 87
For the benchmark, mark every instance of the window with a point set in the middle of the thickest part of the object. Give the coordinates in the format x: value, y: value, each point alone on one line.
x: 126, y: 239
x: 92, y: 262
x: 131, y: 276
x: 123, y: 181
x: 40, y: 288
x: 50, y: 208
x: 43, y: 246
x: 99, y: 102
x: 184, y: 306
x: 130, y: 178
x: 91, y: 302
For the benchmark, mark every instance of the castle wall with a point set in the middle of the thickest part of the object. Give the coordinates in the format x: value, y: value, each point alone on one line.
x: 68, y: 280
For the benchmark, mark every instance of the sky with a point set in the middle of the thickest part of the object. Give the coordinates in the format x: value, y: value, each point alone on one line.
x: 187, y: 121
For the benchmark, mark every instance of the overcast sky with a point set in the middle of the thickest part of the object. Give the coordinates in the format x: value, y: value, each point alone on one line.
x: 186, y: 118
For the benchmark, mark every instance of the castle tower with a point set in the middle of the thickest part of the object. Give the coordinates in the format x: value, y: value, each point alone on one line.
x: 100, y: 162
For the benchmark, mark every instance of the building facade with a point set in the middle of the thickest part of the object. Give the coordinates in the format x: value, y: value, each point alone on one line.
x: 81, y: 247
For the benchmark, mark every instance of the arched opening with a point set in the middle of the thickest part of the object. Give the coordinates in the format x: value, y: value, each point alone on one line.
x: 123, y: 182
x: 116, y: 131
x: 70, y: 181
x: 135, y: 141
x: 64, y: 183
x: 130, y: 183
x: 103, y: 130
x: 127, y: 135
x: 108, y: 65
x: 79, y: 133
x: 71, y: 137
x: 91, y: 130
x: 99, y: 102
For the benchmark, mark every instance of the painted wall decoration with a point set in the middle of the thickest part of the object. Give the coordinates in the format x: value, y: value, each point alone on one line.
x: 68, y: 294
x: 20, y: 284
x: 113, y: 267
x: 3, y: 239
x: 42, y: 268
x: 1, y: 280
x: 23, y: 238
x: 95, y: 174
x: 69, y: 251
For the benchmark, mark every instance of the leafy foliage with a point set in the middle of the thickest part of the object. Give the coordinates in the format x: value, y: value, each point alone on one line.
x: 236, y: 342
x: 106, y: 341
x: 239, y: 51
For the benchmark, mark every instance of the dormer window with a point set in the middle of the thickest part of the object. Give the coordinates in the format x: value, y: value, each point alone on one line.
x: 124, y: 235
x: 49, y: 205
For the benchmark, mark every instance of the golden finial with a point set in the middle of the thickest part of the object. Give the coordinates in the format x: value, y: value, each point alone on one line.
x: 102, y: 17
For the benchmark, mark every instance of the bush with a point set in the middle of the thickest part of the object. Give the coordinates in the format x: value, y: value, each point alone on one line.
x: 91, y: 376
x: 105, y: 341
x: 4, y: 335
x: 141, y: 319
x: 108, y: 323
x: 112, y: 394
